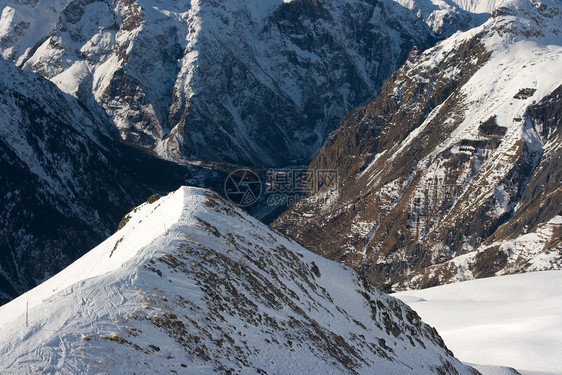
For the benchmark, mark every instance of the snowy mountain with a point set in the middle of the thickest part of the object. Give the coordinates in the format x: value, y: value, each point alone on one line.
x: 447, y: 17
x: 65, y: 183
x: 516, y: 315
x: 480, y: 6
x: 251, y: 82
x: 453, y: 171
x: 193, y: 284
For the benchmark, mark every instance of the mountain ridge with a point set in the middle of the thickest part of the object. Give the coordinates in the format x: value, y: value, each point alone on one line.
x: 273, y: 79
x: 436, y: 164
x: 192, y: 283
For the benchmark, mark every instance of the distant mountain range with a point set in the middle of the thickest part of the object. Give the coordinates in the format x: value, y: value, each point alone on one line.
x: 258, y: 83
x: 450, y: 173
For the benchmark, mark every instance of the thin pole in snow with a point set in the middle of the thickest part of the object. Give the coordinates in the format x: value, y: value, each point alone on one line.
x: 27, y: 314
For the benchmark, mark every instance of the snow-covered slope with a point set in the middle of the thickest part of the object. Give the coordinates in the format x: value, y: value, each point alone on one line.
x: 460, y: 154
x: 191, y: 284
x: 511, y: 321
x: 254, y: 82
x: 445, y: 17
x: 64, y: 181
x: 480, y: 6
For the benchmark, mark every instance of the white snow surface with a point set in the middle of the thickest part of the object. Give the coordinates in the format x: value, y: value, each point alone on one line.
x: 480, y: 6
x: 194, y: 285
x: 511, y: 321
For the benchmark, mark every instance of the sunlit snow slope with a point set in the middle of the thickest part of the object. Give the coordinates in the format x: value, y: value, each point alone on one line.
x: 508, y: 320
x: 191, y: 284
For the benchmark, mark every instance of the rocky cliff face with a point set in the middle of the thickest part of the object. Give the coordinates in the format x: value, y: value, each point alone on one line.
x: 531, y: 240
x: 449, y: 161
x: 257, y: 82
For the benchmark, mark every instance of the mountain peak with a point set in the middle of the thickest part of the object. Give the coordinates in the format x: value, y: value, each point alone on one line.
x: 192, y: 282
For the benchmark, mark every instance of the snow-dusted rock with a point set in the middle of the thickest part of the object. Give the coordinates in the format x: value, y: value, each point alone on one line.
x: 460, y: 154
x: 192, y: 284
x: 253, y: 82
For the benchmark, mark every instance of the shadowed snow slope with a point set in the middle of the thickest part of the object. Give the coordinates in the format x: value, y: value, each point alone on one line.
x: 516, y: 318
x: 193, y: 284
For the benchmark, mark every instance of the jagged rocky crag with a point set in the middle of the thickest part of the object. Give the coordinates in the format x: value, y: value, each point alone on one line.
x: 193, y: 284
x: 65, y: 183
x: 255, y: 82
x: 452, y: 171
